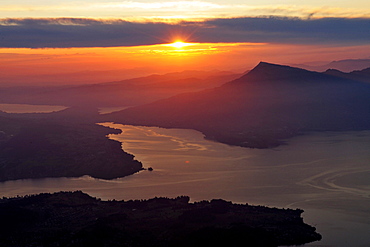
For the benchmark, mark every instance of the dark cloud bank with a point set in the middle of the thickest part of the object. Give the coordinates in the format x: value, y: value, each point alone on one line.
x: 74, y: 32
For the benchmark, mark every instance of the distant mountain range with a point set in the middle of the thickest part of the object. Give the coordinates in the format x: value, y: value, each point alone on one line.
x: 262, y: 108
x: 119, y: 93
x: 346, y: 65
x: 359, y: 75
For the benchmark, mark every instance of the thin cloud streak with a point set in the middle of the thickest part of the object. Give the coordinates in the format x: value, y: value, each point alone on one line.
x: 84, y: 32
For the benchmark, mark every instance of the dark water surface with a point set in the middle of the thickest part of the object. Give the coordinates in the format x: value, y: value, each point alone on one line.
x: 326, y: 174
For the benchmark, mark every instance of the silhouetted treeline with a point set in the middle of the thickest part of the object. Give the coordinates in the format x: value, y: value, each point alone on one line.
x: 76, y: 219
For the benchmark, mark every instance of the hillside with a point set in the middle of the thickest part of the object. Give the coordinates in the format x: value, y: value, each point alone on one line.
x: 262, y: 108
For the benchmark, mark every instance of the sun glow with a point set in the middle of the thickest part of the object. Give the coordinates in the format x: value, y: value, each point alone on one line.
x: 179, y: 44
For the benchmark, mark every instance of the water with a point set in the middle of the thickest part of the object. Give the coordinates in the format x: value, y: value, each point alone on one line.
x: 25, y: 108
x: 105, y: 110
x: 326, y: 174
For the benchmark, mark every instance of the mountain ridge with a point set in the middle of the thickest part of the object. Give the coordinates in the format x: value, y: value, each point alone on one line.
x: 128, y: 92
x: 262, y: 108
x: 346, y: 65
x: 270, y: 72
x: 359, y: 75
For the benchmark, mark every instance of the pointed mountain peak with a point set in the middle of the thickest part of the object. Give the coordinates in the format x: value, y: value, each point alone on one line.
x: 263, y: 64
x: 275, y: 71
x: 269, y: 72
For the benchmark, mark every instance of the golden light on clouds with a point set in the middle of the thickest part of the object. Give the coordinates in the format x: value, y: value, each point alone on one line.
x: 186, y: 49
x: 183, y: 9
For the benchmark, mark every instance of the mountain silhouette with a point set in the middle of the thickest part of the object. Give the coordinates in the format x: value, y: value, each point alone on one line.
x: 346, y: 65
x: 135, y: 91
x: 262, y: 108
x: 359, y: 75
x: 274, y: 73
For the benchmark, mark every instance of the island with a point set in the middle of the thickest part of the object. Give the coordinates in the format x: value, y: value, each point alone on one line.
x: 77, y: 219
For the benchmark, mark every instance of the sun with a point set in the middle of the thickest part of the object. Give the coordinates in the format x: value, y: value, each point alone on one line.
x: 179, y: 44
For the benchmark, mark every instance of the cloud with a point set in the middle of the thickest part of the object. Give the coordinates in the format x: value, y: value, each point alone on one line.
x: 184, y: 8
x: 290, y: 30
x: 173, y: 6
x: 84, y: 32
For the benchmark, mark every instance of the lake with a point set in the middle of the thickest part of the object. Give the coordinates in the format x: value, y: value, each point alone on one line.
x: 326, y: 174
x: 26, y: 108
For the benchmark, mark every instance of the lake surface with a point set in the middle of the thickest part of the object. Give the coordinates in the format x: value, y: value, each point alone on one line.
x: 105, y: 110
x: 25, y: 108
x: 326, y: 174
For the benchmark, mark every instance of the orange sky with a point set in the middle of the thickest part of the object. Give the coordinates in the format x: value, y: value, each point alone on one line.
x: 119, y: 39
x: 23, y: 65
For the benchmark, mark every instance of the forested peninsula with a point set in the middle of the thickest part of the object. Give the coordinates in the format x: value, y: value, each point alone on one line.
x: 77, y: 219
x: 54, y: 145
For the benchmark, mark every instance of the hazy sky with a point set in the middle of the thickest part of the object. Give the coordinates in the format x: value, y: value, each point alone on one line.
x: 170, y: 8
x: 81, y: 35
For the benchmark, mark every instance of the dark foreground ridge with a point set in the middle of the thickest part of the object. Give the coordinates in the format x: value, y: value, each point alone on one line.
x: 76, y: 219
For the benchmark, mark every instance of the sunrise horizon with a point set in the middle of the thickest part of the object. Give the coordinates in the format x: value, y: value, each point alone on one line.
x: 164, y: 123
x: 53, y: 44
